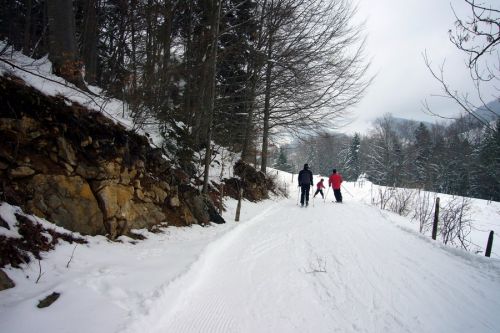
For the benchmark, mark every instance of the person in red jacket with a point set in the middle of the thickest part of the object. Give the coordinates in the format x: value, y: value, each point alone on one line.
x: 319, y: 188
x: 335, y: 181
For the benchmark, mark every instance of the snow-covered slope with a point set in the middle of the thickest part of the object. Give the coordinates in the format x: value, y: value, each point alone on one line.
x: 327, y: 268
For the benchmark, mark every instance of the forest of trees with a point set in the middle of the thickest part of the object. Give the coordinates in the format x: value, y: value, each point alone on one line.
x: 233, y: 72
x: 240, y: 72
x: 462, y: 158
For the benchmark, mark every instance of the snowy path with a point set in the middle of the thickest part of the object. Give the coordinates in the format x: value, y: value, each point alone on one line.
x: 328, y: 268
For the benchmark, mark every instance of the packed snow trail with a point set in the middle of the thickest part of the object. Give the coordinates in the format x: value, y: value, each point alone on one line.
x: 328, y: 268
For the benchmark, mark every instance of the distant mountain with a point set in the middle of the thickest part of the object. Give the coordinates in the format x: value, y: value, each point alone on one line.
x: 489, y: 112
x: 405, y: 121
x: 405, y: 128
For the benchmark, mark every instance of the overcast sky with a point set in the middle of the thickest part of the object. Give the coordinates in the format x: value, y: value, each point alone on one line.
x: 398, y: 32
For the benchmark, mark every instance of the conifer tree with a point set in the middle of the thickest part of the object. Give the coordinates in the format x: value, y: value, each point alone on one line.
x: 487, y: 173
x: 282, y: 162
x: 422, y: 156
x: 352, y: 165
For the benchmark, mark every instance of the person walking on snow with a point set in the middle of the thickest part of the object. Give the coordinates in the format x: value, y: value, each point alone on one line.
x: 319, y: 189
x: 335, y: 181
x: 305, y: 183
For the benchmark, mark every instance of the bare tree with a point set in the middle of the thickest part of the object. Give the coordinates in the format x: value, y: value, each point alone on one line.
x: 478, y: 36
x: 62, y: 41
x: 456, y: 222
x: 423, y: 210
x: 216, y: 5
x: 314, y: 69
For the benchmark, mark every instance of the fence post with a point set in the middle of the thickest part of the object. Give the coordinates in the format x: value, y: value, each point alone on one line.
x: 238, y: 207
x: 490, y: 244
x: 436, y: 218
x: 221, y: 206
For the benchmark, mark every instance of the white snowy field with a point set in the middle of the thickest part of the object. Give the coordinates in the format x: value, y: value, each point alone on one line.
x: 330, y: 267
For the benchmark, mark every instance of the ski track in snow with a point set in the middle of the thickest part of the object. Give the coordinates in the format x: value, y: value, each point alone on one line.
x: 328, y: 268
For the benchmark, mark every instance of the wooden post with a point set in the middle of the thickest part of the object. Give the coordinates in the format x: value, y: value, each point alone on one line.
x: 490, y: 244
x: 238, y: 207
x: 221, y: 199
x: 436, y: 218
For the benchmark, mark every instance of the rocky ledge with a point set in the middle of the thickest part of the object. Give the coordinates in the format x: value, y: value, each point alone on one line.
x: 80, y: 170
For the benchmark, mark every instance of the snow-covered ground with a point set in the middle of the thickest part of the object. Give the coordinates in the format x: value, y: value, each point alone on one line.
x: 330, y: 267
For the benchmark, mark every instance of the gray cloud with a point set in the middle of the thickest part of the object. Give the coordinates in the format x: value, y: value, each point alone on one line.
x: 399, y: 32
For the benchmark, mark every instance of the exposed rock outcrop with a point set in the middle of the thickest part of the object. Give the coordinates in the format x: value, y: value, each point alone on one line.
x: 254, y: 183
x: 5, y: 281
x: 82, y: 171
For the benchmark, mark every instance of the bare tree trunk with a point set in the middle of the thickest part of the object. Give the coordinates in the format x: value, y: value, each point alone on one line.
x: 62, y: 42
x: 89, y: 43
x: 133, y: 45
x: 267, y: 99
x: 211, y: 104
x: 245, y: 151
x: 27, y: 28
x: 250, y: 98
x: 167, y: 41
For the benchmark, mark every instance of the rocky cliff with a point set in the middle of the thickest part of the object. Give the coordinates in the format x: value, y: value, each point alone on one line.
x: 80, y: 170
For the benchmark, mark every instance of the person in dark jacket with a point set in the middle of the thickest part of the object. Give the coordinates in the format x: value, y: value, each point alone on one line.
x: 305, y: 183
x: 335, y: 181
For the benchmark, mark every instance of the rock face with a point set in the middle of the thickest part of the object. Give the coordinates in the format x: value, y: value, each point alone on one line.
x: 69, y: 200
x: 5, y: 281
x: 80, y: 170
x: 254, y: 183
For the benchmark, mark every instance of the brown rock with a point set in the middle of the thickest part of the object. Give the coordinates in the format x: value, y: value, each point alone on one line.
x: 5, y: 281
x: 21, y: 172
x: 174, y: 201
x: 66, y: 151
x: 148, y: 214
x: 122, y: 213
x: 111, y: 169
x: 164, y: 185
x: 159, y: 194
x: 125, y: 177
x: 140, y: 164
x: 47, y: 301
x: 115, y: 200
x: 197, y: 207
x: 66, y: 201
x: 88, y: 172
x: 140, y: 194
x: 68, y: 168
x: 189, y: 219
x: 86, y: 142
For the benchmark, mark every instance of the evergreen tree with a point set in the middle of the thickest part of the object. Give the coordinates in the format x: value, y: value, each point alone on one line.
x: 454, y: 174
x: 238, y: 30
x: 352, y: 166
x: 386, y: 157
x: 487, y: 173
x: 423, y: 147
x: 282, y: 162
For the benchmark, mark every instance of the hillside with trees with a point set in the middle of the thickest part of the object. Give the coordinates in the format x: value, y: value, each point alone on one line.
x: 234, y: 73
